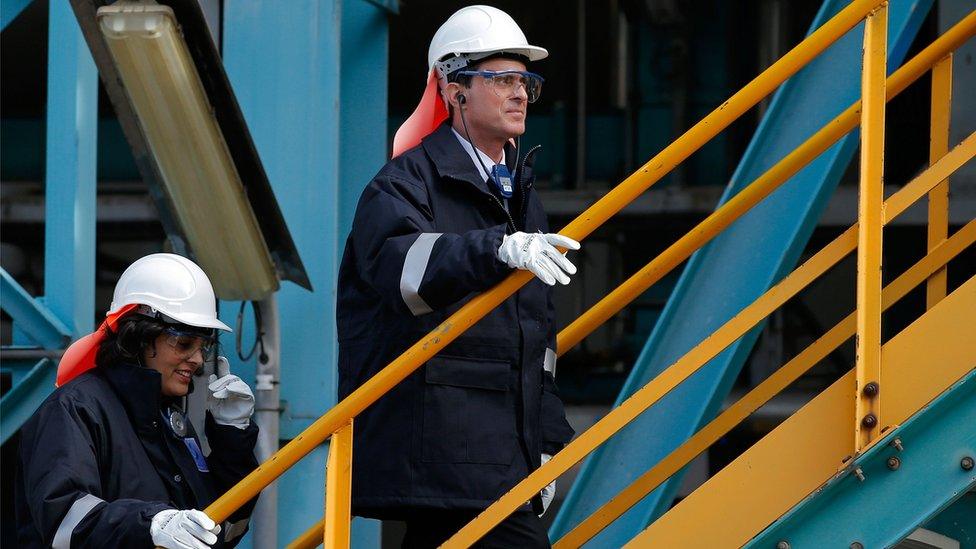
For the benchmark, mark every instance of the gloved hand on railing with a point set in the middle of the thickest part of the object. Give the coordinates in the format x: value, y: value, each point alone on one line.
x: 188, y: 529
x: 549, y: 491
x: 231, y: 401
x: 536, y: 252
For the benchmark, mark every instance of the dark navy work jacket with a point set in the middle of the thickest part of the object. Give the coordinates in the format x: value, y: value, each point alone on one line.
x: 98, y: 461
x: 473, y: 421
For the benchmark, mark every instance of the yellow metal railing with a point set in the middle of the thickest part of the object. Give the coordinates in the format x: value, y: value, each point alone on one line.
x: 338, y: 422
x: 868, y: 341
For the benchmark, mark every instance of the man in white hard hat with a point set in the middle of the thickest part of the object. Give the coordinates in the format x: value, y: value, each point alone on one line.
x: 109, y: 459
x: 447, y: 218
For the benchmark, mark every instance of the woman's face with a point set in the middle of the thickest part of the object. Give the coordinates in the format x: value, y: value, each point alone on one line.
x: 176, y: 357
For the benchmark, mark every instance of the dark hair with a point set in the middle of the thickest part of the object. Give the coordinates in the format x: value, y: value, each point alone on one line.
x: 127, y: 345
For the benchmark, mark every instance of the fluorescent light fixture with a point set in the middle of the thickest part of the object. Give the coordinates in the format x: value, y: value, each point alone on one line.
x: 196, y: 168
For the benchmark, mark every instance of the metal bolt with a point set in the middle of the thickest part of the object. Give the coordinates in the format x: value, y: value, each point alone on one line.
x: 857, y: 545
x: 966, y: 463
x: 859, y: 474
x: 783, y: 544
x: 871, y: 389
x: 894, y: 463
x: 869, y: 421
x: 896, y: 444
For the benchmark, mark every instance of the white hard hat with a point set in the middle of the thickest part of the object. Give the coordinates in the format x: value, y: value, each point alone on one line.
x: 476, y: 32
x: 171, y: 285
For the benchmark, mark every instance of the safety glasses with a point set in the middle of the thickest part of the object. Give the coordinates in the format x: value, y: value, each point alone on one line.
x: 185, y: 344
x: 505, y: 82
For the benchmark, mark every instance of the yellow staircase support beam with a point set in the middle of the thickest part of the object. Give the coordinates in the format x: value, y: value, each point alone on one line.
x: 338, y: 477
x: 939, y: 145
x: 811, y: 447
x: 867, y: 394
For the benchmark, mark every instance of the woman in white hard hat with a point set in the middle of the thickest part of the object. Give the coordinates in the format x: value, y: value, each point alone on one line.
x: 449, y: 217
x: 109, y: 459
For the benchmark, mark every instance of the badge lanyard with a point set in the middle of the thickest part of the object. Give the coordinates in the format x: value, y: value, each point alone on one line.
x: 177, y: 424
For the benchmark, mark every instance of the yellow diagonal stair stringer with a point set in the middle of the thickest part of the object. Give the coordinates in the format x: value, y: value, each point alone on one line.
x: 809, y: 448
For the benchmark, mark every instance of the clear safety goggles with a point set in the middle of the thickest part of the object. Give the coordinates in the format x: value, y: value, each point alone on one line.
x: 505, y: 82
x: 186, y: 344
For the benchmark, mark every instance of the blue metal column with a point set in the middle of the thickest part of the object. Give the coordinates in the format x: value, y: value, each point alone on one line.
x: 67, y: 311
x: 318, y: 120
x: 72, y: 124
x: 731, y: 272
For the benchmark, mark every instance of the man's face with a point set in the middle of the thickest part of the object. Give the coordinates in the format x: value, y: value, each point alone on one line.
x: 492, y: 112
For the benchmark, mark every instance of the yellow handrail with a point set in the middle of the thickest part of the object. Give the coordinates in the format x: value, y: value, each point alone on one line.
x: 578, y: 229
x: 936, y: 259
x: 705, y: 351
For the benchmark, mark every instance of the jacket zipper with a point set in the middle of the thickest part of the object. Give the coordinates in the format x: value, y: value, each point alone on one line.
x: 519, y: 169
x: 511, y: 222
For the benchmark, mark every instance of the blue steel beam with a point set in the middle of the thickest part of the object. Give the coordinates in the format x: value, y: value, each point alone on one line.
x: 901, y: 490
x: 731, y: 272
x: 70, y: 189
x: 321, y: 132
x: 19, y: 403
x: 10, y: 9
x: 32, y: 317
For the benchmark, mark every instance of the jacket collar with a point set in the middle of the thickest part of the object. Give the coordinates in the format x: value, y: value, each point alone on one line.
x: 139, y: 389
x: 451, y: 160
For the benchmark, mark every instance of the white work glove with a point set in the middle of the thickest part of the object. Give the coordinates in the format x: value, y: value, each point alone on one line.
x: 548, y: 492
x: 231, y: 401
x: 536, y: 252
x: 190, y: 529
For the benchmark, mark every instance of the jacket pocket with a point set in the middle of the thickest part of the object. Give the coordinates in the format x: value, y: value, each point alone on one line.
x: 469, y: 412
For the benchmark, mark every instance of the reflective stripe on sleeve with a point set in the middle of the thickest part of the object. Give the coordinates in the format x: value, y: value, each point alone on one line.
x: 414, y: 267
x: 549, y: 364
x: 79, y: 510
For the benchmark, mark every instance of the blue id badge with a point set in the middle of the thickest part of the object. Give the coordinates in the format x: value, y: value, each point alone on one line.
x: 503, y: 180
x: 197, y: 453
